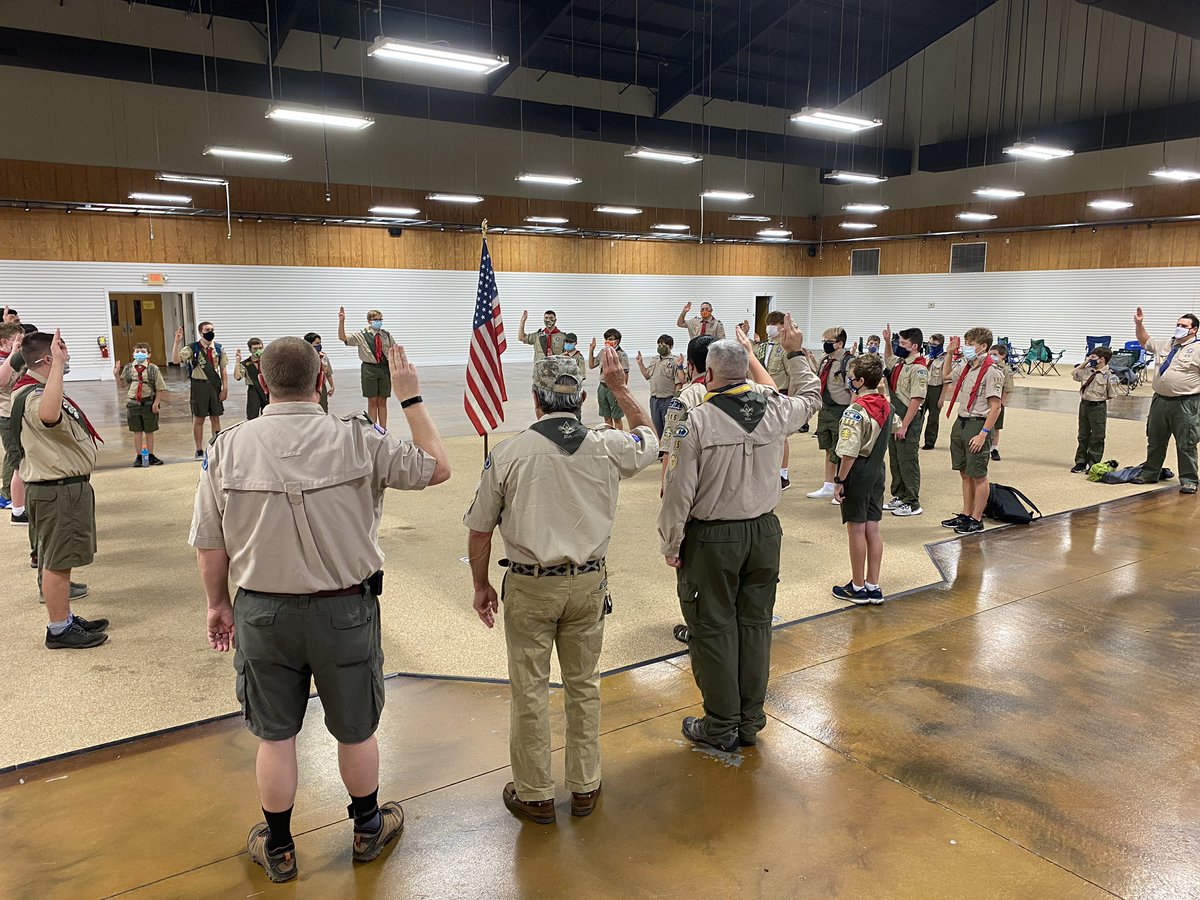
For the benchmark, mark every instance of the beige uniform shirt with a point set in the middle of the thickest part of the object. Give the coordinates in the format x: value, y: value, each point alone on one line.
x: 326, y: 367
x: 912, y: 384
x: 992, y: 386
x: 62, y: 450
x: 6, y: 392
x: 1104, y: 386
x: 698, y: 325
x: 1009, y: 380
x: 936, y: 376
x: 294, y: 497
x: 557, y: 340
x: 838, y: 393
x: 220, y: 361
x: 662, y: 371
x: 554, y: 507
x: 580, y: 360
x: 150, y: 378
x: 1182, y: 378
x: 691, y: 396
x: 365, y: 342
x: 718, y: 470
x: 858, y: 432
x: 774, y: 359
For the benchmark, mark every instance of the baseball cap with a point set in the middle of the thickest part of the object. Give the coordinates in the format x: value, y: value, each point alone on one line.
x: 547, y: 372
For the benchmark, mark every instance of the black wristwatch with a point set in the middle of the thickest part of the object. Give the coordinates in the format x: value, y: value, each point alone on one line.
x: 411, y: 401
x: 837, y: 480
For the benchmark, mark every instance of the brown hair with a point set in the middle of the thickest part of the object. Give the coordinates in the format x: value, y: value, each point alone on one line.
x: 9, y: 330
x: 1103, y: 353
x: 254, y: 342
x: 868, y: 367
x: 979, y: 336
x: 290, y: 366
x: 142, y: 346
x: 775, y: 317
x: 374, y: 314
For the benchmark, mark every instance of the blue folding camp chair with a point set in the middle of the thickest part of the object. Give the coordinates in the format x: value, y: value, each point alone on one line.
x: 1094, y: 341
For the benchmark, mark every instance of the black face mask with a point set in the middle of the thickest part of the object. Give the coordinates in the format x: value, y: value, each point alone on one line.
x: 208, y: 335
x: 827, y: 346
x: 901, y: 352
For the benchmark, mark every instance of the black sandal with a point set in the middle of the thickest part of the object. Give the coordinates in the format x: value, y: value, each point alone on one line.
x: 681, y: 633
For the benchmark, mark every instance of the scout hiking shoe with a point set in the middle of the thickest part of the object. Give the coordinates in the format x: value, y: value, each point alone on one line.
x: 969, y: 526
x: 784, y: 483
x: 875, y: 595
x: 953, y: 521
x: 280, y: 865
x: 995, y: 455
x: 155, y: 461
x: 1077, y: 468
x: 893, y: 503
x: 851, y: 594
x: 367, y: 846
x: 540, y: 812
x: 584, y: 804
x: 907, y: 509
x: 693, y: 730
x: 77, y: 637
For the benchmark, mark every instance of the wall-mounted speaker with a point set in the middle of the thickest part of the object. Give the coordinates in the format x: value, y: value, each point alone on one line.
x: 395, y: 231
x: 812, y: 250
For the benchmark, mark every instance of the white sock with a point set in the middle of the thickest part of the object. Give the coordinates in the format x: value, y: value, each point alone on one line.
x: 828, y: 486
x: 857, y: 587
x: 872, y: 587
x: 18, y: 510
x: 783, y: 473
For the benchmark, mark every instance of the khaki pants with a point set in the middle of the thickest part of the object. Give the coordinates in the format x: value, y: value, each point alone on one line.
x: 539, y: 613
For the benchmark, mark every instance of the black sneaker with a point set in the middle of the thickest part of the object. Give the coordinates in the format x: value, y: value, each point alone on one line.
x: 32, y: 559
x: 1076, y: 469
x: 681, y: 633
x: 693, y: 730
x: 22, y: 519
x: 76, y: 637
x: 953, y: 522
x: 137, y: 462
x: 199, y: 454
x: 875, y: 595
x: 995, y: 455
x: 95, y: 626
x: 969, y: 526
x: 847, y: 592
x: 155, y: 461
x: 927, y: 447
x: 784, y: 483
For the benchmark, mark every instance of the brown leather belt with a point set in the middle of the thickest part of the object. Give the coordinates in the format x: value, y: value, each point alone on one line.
x: 318, y: 595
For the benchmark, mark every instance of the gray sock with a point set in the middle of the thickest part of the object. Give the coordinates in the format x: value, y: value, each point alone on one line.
x: 57, y: 628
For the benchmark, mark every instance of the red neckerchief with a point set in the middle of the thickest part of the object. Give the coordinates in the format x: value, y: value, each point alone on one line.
x: 825, y: 370
x: 549, y: 337
x: 894, y: 377
x: 139, y: 370
x: 704, y: 325
x: 876, y: 407
x: 987, y: 364
x: 378, y: 347
x: 68, y: 403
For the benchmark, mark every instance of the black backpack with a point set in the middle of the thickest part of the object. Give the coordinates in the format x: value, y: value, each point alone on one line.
x: 1007, y: 504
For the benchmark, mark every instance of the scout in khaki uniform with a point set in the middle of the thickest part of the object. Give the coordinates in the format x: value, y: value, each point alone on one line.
x: 373, y: 344
x: 12, y: 494
x: 248, y: 371
x: 1099, y: 386
x: 1175, y: 409
x: 208, y: 379
x: 701, y: 325
x: 327, y: 386
x: 979, y: 381
x: 1001, y: 356
x: 862, y: 437
x: 907, y: 385
x: 552, y: 490
x: 666, y: 374
x: 58, y: 447
x: 297, y: 532
x: 773, y: 358
x: 571, y: 351
x: 835, y: 397
x: 547, y: 341
x: 610, y: 409
x: 718, y: 529
x: 143, y: 383
x: 933, y: 389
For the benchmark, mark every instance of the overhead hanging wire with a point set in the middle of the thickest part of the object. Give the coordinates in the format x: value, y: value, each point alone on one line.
x: 321, y: 68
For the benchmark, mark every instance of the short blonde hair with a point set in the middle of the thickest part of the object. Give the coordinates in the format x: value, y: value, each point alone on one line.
x: 979, y: 336
x: 374, y: 314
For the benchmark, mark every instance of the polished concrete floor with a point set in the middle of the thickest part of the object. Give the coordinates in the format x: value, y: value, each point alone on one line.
x: 1026, y: 729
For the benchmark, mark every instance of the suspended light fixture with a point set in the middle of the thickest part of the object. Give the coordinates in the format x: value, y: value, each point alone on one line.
x: 401, y: 211
x: 749, y: 218
x: 437, y: 55
x: 671, y: 156
x: 866, y: 207
x: 174, y: 199
x: 556, y: 180
x: 669, y: 227
x: 455, y: 198
x: 314, y: 115
x: 1110, y: 204
x: 812, y: 115
x: 1034, y: 150
x: 976, y: 216
x: 1172, y: 174
x: 547, y: 220
x: 238, y: 153
x: 856, y: 177
x: 997, y: 193
x: 726, y: 195
x: 209, y: 180
x: 774, y: 233
x: 858, y: 226
x: 618, y: 210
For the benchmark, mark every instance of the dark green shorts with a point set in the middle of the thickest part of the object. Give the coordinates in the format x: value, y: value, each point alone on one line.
x: 63, y: 519
x: 206, y: 400
x: 863, y: 498
x: 961, y: 457
x: 286, y: 643
x: 1000, y: 419
x: 141, y: 419
x: 608, y: 404
x: 376, y: 380
x: 828, y: 421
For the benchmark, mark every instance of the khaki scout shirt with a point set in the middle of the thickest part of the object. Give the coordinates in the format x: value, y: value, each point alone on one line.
x: 557, y: 340
x: 554, y: 507
x: 912, y: 384
x: 837, y: 393
x: 294, y: 497
x: 1182, y: 378
x: 365, y: 342
x: 662, y: 371
x: 1009, y: 380
x: 677, y: 410
x: 6, y: 392
x: 718, y: 470
x: 774, y: 359
x: 150, y: 378
x: 220, y: 361
x: 62, y: 450
x: 580, y: 360
x: 992, y: 386
x: 698, y: 325
x: 858, y: 432
x: 326, y: 367
x: 1103, y: 387
x: 936, y: 376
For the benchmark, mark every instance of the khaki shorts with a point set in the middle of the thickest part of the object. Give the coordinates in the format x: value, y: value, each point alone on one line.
x: 961, y: 457
x: 206, y: 400
x: 376, y: 380
x: 286, y: 643
x: 142, y: 419
x: 608, y: 404
x: 828, y: 420
x: 62, y: 517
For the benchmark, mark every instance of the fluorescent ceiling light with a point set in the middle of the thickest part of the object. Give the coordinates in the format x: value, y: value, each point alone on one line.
x: 1172, y: 174
x: 238, y: 153
x: 558, y: 180
x: 976, y: 216
x: 1109, y: 204
x: 726, y: 195
x: 455, y: 198
x: 160, y: 198
x: 210, y: 180
x: 858, y: 177
x: 547, y: 220
x: 812, y: 115
x: 995, y: 193
x: 774, y: 233
x: 685, y: 159
x: 402, y: 211
x: 312, y: 115
x: 865, y: 207
x: 858, y: 226
x: 437, y: 55
x: 668, y: 227
x: 1033, y: 150
x: 749, y: 218
x: 618, y: 210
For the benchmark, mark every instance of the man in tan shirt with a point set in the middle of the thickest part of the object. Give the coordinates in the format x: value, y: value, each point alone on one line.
x: 547, y: 341
x: 907, y: 381
x: 552, y: 490
x: 703, y: 324
x: 288, y: 509
x: 717, y: 528
x: 771, y: 354
x: 1175, y: 409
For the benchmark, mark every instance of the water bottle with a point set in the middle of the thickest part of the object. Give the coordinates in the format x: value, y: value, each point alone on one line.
x: 145, y: 458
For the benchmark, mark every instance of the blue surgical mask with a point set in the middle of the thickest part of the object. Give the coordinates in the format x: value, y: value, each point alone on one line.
x: 872, y: 348
x: 376, y: 324
x: 568, y: 346
x: 969, y: 352
x: 140, y: 356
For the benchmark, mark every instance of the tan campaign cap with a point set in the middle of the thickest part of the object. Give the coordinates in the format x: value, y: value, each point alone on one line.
x: 547, y: 372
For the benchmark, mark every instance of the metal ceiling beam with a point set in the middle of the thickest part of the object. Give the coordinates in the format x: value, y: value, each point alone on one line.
x: 533, y: 30
x: 1179, y: 16
x: 285, y: 15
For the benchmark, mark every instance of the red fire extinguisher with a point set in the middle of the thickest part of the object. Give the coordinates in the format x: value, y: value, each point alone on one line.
x: 102, y: 343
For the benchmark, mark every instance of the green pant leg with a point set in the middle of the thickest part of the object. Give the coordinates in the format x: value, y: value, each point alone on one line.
x: 933, y: 396
x: 1158, y: 433
x: 1184, y: 429
x: 755, y: 611
x: 909, y: 461
x: 1097, y: 430
x: 898, y: 489
x: 1083, y: 435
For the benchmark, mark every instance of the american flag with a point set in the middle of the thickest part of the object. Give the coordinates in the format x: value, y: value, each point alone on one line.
x: 485, y: 394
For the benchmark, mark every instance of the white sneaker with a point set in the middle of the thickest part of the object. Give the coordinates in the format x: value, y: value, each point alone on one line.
x: 836, y: 502
x: 893, y: 503
x: 905, y: 509
x: 821, y: 493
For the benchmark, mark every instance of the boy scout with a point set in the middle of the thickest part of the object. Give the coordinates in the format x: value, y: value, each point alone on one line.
x: 1099, y: 386
x: 771, y: 354
x: 665, y: 374
x: 933, y: 390
x: 208, y: 379
x: 1001, y: 355
x: 552, y: 490
x: 717, y: 528
x: 610, y: 409
x: 144, y: 384
x: 572, y: 351
x: 547, y: 341
x: 248, y: 371
x: 297, y: 532
x: 1175, y: 409
x: 58, y: 447
x: 907, y: 386
x: 835, y: 397
x: 12, y: 496
x: 701, y: 325
x: 327, y: 386
x: 373, y: 344
x: 862, y: 435
x: 977, y: 413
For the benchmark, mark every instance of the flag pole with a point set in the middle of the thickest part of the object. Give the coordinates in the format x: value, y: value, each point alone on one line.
x: 483, y: 227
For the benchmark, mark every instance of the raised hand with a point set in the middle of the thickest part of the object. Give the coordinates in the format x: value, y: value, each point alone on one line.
x: 116, y: 368
x: 955, y: 344
x: 639, y: 357
x: 887, y: 335
x: 58, y: 347
x: 740, y: 334
x: 341, y: 314
x: 405, y: 383
x: 1138, y: 316
x: 791, y: 338
x: 179, y: 334
x: 592, y: 346
x: 237, y: 357
x: 687, y: 307
x: 524, y: 316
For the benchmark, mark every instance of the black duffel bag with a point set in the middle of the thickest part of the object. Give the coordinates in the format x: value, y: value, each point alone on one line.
x: 1007, y: 504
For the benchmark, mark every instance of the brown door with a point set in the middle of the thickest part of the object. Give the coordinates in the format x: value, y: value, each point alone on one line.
x: 137, y: 319
x: 762, y: 306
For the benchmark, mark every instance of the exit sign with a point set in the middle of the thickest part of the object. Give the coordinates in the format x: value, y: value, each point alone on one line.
x: 154, y: 278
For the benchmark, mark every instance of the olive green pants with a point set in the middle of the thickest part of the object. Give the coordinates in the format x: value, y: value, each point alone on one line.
x: 1093, y: 424
x: 1172, y: 418
x: 566, y: 612
x: 904, y: 456
x: 727, y: 594
x: 933, y: 396
x: 10, y: 456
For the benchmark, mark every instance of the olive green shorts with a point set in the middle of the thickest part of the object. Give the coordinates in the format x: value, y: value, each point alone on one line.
x: 376, y: 380
x: 284, y: 643
x: 206, y: 400
x: 863, y: 497
x: 1000, y: 419
x: 828, y: 421
x: 62, y: 518
x: 961, y: 457
x: 608, y: 403
x: 142, y: 419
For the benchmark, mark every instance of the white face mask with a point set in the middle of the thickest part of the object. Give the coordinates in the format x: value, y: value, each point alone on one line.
x: 1181, y: 332
x: 772, y: 331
